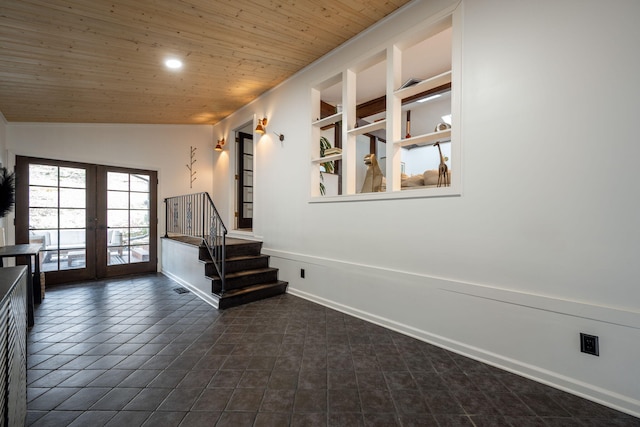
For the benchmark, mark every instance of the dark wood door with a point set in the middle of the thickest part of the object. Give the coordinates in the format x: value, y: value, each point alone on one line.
x: 93, y: 221
x: 244, y: 206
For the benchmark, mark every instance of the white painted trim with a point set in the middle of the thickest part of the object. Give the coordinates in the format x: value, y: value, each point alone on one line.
x: 619, y: 316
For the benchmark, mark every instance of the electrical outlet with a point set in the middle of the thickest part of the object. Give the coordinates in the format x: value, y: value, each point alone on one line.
x: 589, y: 344
x: 302, y: 273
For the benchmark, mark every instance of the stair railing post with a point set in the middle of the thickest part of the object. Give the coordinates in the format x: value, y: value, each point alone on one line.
x: 166, y: 218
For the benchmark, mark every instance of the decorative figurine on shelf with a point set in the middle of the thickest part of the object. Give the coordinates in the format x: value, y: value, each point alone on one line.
x: 408, y: 135
x: 373, y: 179
x: 443, y: 170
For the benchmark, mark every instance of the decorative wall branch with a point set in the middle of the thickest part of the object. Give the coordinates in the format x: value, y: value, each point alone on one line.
x: 192, y: 171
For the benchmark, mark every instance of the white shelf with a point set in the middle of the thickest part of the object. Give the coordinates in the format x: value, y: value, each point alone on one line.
x: 380, y: 124
x: 330, y: 158
x: 334, y: 118
x: 424, y: 85
x: 426, y: 139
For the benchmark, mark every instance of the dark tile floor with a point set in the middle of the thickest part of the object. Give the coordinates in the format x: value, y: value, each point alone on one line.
x: 130, y: 352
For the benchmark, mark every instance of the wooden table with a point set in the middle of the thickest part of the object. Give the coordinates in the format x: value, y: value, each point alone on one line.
x: 33, y: 285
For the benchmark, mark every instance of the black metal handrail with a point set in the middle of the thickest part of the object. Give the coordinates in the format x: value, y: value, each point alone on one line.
x: 195, y: 215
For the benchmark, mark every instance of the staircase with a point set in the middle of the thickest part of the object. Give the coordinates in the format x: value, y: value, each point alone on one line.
x: 248, y: 276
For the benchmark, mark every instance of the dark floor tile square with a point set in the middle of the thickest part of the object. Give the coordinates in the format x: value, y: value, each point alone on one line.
x: 158, y: 362
x: 116, y: 399
x: 310, y: 401
x: 164, y: 419
x: 82, y: 378
x: 254, y: 379
x: 370, y: 380
x: 148, y: 399
x: 271, y: 420
x: 381, y: 420
x: 245, y: 399
x: 342, y: 379
x: 51, y: 399
x: 510, y: 404
x: 106, y: 362
x: 180, y: 399
x: 283, y: 380
x: 450, y: 420
x: 56, y: 418
x: 409, y: 402
x: 202, y: 418
x: 167, y: 379
x: 400, y: 380
x: 312, y: 379
x: 278, y: 400
x: 309, y: 420
x: 417, y: 420
x: 442, y: 402
x: 197, y: 378
x: 33, y: 392
x: 83, y: 399
x: 132, y: 362
x: 344, y: 400
x: 544, y: 405
x: 93, y: 418
x: 236, y: 419
x: 110, y: 377
x: 212, y: 399
x: 226, y: 379
x: 475, y: 402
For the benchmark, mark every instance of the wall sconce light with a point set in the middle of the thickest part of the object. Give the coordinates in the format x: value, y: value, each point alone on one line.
x: 280, y: 136
x: 262, y: 126
x: 220, y: 144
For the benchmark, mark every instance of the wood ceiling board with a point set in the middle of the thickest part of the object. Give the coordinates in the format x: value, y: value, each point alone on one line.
x: 102, y: 62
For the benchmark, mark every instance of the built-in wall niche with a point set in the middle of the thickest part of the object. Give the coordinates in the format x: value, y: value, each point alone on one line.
x: 396, y: 119
x: 425, y: 105
x: 326, y: 150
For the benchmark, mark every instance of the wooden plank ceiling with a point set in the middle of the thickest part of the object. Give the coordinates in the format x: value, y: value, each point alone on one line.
x: 98, y: 61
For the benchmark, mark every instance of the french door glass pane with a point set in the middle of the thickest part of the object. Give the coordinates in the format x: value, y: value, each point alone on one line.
x: 139, y: 201
x: 43, y: 175
x: 72, y: 198
x: 72, y: 218
x: 43, y: 197
x: 73, y: 177
x: 140, y: 183
x: 118, y: 199
x: 128, y: 215
x: 118, y: 181
x: 43, y: 218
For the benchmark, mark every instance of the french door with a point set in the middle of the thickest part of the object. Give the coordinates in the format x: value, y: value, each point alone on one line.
x: 93, y: 221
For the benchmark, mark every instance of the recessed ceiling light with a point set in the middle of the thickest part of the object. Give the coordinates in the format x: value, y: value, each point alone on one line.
x: 173, y: 63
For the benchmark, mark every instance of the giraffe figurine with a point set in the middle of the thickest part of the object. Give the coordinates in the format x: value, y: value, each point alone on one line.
x: 443, y: 170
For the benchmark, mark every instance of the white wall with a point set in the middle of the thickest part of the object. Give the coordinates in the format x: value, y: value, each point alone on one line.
x: 543, y: 242
x: 163, y: 148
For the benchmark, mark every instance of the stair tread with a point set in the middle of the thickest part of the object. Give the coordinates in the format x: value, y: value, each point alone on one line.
x: 240, y: 258
x: 245, y: 273
x: 249, y: 289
